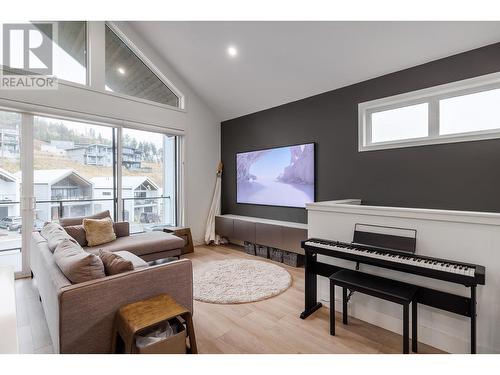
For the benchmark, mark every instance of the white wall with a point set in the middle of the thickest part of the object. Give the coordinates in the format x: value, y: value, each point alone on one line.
x: 197, y: 122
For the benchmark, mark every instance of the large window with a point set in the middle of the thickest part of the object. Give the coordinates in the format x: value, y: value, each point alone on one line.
x: 127, y: 74
x: 74, y: 173
x: 400, y: 123
x: 10, y: 210
x: 148, y: 179
x: 461, y: 111
x: 126, y: 71
x: 69, y: 157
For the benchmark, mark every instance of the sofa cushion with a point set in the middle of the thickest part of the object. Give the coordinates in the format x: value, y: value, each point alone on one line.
x: 137, y: 262
x: 142, y: 243
x: 78, y: 233
x: 54, y: 234
x: 114, y: 263
x: 99, y: 231
x: 79, y: 220
x: 77, y: 264
x: 121, y: 228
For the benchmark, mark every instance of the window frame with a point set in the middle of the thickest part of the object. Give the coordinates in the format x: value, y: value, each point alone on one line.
x: 149, y: 64
x: 432, y: 96
x: 95, y: 66
x: 30, y: 111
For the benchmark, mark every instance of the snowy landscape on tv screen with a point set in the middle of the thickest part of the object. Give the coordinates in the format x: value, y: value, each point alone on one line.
x: 282, y: 176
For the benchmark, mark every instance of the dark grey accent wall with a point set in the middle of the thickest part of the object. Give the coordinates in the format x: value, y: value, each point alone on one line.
x: 462, y: 176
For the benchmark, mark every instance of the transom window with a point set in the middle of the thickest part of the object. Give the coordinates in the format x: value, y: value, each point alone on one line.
x: 126, y: 73
x: 461, y: 111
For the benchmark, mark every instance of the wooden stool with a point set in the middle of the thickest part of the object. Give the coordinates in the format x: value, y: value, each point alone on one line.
x: 139, y: 316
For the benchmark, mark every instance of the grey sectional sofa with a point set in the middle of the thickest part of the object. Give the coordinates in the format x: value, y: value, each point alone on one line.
x: 80, y: 316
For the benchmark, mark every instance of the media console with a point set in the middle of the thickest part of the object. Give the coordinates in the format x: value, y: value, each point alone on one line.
x: 283, y: 235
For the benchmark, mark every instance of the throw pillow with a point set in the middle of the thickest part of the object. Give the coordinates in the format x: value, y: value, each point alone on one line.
x: 54, y: 234
x: 78, y: 233
x: 114, y: 264
x: 77, y: 264
x: 99, y: 231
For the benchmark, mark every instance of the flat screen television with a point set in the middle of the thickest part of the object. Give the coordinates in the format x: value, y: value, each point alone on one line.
x: 280, y: 176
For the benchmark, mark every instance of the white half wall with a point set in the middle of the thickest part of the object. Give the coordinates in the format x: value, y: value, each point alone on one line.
x: 470, y: 237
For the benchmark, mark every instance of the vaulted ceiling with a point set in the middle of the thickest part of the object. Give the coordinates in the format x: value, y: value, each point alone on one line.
x: 279, y: 62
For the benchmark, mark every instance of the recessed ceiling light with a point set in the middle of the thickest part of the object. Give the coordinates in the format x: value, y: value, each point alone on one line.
x: 232, y: 51
x: 121, y: 70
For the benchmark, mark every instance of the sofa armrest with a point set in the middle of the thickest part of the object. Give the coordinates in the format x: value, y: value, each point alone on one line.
x: 121, y: 228
x: 87, y: 310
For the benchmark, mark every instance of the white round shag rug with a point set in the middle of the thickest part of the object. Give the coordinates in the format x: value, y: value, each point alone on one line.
x: 239, y: 281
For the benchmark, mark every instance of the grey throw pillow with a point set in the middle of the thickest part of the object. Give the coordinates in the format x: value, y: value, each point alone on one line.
x: 77, y: 264
x: 54, y: 234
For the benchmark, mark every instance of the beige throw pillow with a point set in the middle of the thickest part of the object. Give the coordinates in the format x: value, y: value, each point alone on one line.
x: 114, y: 264
x: 77, y: 264
x: 99, y: 231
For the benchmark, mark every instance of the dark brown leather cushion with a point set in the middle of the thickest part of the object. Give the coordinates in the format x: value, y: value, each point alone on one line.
x: 114, y: 263
x: 121, y: 228
x: 78, y: 233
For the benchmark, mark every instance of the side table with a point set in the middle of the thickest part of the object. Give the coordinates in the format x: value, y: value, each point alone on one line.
x: 185, y: 233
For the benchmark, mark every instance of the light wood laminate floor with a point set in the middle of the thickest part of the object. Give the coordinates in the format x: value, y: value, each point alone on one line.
x: 270, y: 326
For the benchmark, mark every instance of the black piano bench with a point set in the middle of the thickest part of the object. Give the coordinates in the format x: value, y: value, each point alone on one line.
x: 380, y: 287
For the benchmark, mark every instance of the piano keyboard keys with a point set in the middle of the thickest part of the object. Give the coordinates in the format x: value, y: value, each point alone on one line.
x: 396, y: 258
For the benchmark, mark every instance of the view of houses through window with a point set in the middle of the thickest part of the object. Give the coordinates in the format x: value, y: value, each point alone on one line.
x: 74, y: 175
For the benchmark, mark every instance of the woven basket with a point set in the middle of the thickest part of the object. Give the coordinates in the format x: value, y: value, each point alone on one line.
x: 276, y: 254
x: 262, y: 251
x: 293, y: 259
x: 249, y: 248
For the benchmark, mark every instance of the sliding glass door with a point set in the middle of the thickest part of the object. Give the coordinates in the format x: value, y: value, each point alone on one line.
x: 148, y: 184
x: 10, y: 190
x: 73, y: 169
x: 52, y: 168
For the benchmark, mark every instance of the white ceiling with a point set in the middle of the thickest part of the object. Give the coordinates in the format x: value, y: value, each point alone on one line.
x: 279, y: 62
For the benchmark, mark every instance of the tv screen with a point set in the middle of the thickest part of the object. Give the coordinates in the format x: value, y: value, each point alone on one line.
x: 281, y: 176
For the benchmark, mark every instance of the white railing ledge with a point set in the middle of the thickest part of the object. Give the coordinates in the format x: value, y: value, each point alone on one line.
x: 355, y: 206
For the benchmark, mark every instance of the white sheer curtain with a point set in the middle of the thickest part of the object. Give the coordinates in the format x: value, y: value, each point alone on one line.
x: 210, y: 236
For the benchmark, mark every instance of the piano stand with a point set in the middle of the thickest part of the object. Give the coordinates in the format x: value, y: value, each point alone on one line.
x: 430, y: 297
x: 304, y: 314
x: 311, y: 285
x: 473, y: 320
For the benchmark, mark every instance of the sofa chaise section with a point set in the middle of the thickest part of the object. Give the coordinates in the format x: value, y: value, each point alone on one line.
x: 149, y: 246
